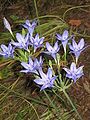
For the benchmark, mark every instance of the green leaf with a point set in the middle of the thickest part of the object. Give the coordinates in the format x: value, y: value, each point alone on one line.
x: 14, y: 17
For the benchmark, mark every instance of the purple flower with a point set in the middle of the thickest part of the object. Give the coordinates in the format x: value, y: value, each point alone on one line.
x: 74, y: 73
x: 77, y: 48
x: 30, y: 26
x: 46, y: 80
x: 38, y: 63
x: 7, y: 25
x: 36, y: 42
x: 23, y: 41
x: 52, y: 50
x: 7, y: 51
x: 32, y: 66
x: 64, y: 39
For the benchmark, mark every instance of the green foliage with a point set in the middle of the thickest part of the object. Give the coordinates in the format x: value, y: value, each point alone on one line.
x: 5, y: 73
x: 51, y: 26
x: 22, y: 56
x: 14, y: 17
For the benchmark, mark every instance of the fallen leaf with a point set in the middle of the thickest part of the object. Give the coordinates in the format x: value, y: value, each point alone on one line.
x: 75, y: 22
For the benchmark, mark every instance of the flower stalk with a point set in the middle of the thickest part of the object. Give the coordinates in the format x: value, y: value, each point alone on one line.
x: 51, y: 102
x: 65, y: 93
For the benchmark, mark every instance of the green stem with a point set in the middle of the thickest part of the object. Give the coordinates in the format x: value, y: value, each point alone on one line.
x: 51, y: 102
x: 59, y: 97
x: 35, y: 4
x: 71, y: 104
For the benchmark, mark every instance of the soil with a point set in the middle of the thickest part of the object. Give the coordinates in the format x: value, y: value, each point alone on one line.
x: 77, y: 18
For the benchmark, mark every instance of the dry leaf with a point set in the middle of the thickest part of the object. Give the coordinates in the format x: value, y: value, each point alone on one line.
x: 75, y: 22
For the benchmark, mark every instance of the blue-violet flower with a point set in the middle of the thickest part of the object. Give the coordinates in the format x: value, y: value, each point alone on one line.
x: 23, y: 41
x: 36, y: 42
x: 46, y: 80
x: 30, y: 26
x: 38, y: 63
x: 64, y: 39
x: 7, y: 51
x: 52, y: 50
x: 77, y: 48
x: 32, y: 66
x: 74, y: 73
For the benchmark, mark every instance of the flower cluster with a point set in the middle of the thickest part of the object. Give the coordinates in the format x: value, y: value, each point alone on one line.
x: 7, y: 51
x: 35, y: 66
x: 32, y: 66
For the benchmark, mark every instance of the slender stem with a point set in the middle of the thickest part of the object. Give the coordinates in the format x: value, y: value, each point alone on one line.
x: 76, y: 60
x: 51, y: 102
x: 13, y: 37
x: 65, y: 56
x: 59, y: 97
x: 61, y: 82
x: 65, y: 53
x: 71, y: 104
x: 35, y: 4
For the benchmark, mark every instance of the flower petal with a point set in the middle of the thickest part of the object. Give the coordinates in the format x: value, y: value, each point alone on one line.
x: 10, y: 47
x: 81, y: 44
x: 30, y: 61
x: 41, y: 40
x: 67, y: 70
x: 73, y: 67
x: 39, y: 81
x: 45, y: 86
x: 20, y: 38
x: 43, y: 75
x: 53, y: 55
x: 71, y: 47
x: 37, y: 37
x: 26, y: 66
x: 49, y: 73
x: 49, y: 47
x: 56, y: 47
x: 52, y: 80
x: 65, y: 35
x: 79, y: 70
x: 4, y: 48
x: 26, y: 38
x: 40, y: 60
x: 24, y: 71
x: 79, y: 75
x: 3, y: 54
x: 74, y: 44
x: 58, y: 36
x: 16, y: 44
